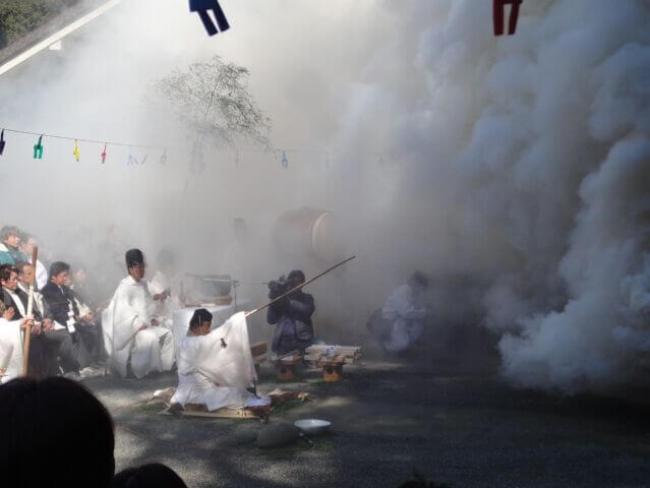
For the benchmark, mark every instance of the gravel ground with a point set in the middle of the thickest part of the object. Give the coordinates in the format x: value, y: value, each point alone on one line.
x: 456, y: 425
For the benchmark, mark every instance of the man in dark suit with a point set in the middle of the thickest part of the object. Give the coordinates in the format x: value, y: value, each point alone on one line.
x: 62, y: 305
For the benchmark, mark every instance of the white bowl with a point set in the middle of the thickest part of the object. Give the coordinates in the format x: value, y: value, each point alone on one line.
x: 313, y: 426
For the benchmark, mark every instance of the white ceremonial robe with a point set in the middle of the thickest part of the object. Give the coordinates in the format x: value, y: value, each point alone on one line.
x: 149, y: 350
x: 216, y: 376
x: 407, y: 317
x: 157, y: 285
x: 11, y: 349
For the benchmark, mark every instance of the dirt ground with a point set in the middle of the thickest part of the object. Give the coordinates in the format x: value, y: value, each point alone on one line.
x: 458, y: 424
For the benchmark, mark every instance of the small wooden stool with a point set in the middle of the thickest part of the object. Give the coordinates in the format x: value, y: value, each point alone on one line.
x: 332, y: 358
x: 286, y: 367
x: 332, y: 372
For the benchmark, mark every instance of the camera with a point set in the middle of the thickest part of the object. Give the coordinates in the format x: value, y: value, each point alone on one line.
x: 278, y: 287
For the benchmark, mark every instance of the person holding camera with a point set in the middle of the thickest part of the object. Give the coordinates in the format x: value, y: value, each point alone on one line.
x: 291, y: 316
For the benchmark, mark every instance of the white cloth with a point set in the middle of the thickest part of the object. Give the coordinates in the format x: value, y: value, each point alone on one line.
x: 404, y: 310
x: 11, y: 349
x: 216, y: 376
x: 41, y: 274
x: 151, y: 349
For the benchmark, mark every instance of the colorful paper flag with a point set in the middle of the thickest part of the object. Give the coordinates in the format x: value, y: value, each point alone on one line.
x: 76, y: 152
x: 498, y: 14
x: 104, y: 154
x: 38, y: 148
x: 2, y: 142
x: 202, y: 7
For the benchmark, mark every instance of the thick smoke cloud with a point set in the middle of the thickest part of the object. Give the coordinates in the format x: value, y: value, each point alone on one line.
x: 527, y: 157
x: 512, y: 170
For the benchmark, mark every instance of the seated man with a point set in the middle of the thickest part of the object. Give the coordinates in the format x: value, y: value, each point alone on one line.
x: 26, y: 246
x: 131, y: 330
x: 291, y: 316
x: 62, y: 306
x: 215, y: 367
x: 404, y: 312
x: 9, y: 243
x: 48, y: 342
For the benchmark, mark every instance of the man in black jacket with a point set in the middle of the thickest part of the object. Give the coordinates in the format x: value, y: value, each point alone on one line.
x: 291, y: 316
x: 47, y: 343
x: 61, y: 303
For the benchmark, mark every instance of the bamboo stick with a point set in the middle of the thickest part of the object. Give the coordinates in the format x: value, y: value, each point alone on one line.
x: 30, y: 307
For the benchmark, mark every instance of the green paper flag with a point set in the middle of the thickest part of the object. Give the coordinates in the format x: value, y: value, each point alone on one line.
x: 38, y: 149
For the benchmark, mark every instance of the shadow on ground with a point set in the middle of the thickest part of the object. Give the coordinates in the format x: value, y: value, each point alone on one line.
x: 455, y: 423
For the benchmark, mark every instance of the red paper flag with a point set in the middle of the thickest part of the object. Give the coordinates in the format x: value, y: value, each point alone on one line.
x: 498, y: 15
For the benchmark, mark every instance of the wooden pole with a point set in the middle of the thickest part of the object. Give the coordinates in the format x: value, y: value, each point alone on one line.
x: 328, y: 270
x: 30, y: 307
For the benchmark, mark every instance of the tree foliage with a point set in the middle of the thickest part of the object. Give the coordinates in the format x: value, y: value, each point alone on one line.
x: 213, y: 99
x: 19, y: 17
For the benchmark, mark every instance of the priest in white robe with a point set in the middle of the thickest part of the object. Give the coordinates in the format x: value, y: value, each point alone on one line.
x: 132, y: 330
x: 215, y: 367
x: 406, y: 312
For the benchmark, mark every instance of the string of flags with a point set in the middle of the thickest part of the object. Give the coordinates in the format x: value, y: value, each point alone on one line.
x: 39, y: 147
x: 138, y: 154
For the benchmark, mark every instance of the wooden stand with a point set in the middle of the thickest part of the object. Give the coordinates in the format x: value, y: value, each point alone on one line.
x: 332, y: 359
x: 332, y: 372
x: 286, y: 366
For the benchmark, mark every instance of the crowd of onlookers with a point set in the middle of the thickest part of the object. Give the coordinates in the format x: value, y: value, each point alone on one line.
x: 54, y: 431
x: 65, y: 334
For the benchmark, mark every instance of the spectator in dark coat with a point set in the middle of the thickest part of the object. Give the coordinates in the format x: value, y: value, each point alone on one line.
x: 62, y: 305
x: 291, y: 316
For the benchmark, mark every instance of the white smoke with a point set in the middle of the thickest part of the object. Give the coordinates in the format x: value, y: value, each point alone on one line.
x: 513, y: 170
x: 530, y: 153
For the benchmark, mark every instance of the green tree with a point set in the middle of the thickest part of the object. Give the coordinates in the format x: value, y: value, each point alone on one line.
x: 19, y: 17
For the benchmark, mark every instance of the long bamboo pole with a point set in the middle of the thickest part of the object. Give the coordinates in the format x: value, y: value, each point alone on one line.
x: 30, y: 308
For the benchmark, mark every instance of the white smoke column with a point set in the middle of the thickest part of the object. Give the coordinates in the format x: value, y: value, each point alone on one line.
x: 526, y: 159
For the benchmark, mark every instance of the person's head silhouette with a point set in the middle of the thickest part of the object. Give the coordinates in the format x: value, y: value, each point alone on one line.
x: 54, y: 432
